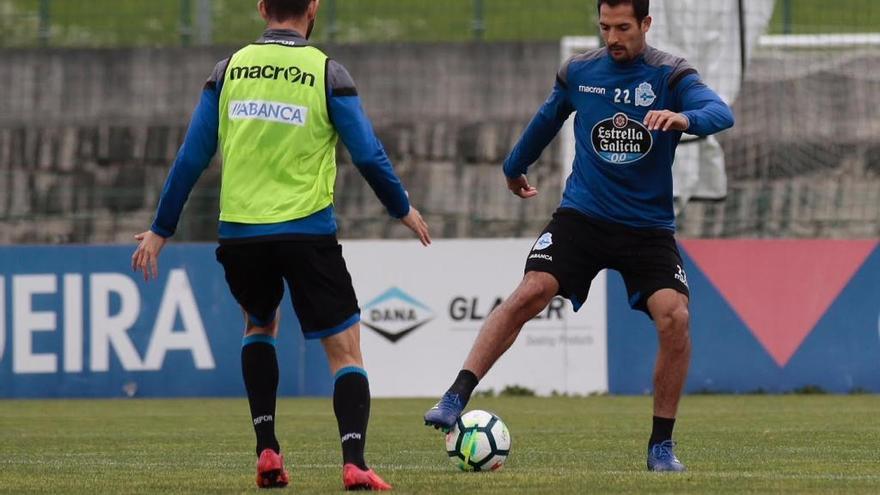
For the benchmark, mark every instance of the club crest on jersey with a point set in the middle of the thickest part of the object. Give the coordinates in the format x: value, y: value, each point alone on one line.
x: 645, y: 95
x: 621, y: 140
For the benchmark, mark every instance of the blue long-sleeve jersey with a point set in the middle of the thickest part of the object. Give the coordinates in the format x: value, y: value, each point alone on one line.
x: 349, y: 120
x: 622, y: 172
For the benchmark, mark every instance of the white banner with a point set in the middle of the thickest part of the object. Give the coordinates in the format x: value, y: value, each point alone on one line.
x: 423, y: 307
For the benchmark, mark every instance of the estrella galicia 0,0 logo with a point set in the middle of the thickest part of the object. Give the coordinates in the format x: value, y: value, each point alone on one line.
x: 621, y: 140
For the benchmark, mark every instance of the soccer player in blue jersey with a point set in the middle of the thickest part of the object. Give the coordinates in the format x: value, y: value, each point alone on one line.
x: 276, y: 108
x: 631, y: 103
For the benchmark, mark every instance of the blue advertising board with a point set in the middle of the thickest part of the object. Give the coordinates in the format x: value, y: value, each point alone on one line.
x: 77, y: 322
x: 766, y: 316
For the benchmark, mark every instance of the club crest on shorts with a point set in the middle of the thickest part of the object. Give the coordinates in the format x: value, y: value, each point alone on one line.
x: 645, y: 95
x: 544, y: 242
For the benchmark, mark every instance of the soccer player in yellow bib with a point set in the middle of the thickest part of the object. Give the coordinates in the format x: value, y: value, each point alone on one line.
x: 276, y: 109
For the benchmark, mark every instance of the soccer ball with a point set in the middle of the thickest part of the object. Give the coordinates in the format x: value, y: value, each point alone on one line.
x: 479, y: 441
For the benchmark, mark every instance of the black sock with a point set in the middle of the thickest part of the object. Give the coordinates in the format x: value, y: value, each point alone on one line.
x: 259, y: 366
x: 351, y: 403
x: 464, y: 385
x: 662, y: 430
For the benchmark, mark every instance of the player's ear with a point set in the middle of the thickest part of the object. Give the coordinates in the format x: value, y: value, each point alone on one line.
x: 261, y: 7
x: 646, y: 23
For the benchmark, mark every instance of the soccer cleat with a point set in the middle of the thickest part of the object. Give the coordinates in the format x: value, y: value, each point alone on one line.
x: 445, y: 412
x: 661, y: 458
x: 270, y: 470
x: 355, y: 478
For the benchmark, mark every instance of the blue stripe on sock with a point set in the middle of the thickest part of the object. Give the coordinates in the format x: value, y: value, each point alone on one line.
x: 349, y: 369
x: 258, y: 337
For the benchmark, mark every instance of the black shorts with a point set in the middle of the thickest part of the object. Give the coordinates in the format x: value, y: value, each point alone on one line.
x: 320, y: 285
x: 574, y: 248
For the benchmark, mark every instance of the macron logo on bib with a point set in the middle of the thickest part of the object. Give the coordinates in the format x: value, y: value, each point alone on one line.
x: 270, y: 111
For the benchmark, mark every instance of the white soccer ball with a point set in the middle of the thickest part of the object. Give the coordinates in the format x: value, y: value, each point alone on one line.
x: 479, y: 441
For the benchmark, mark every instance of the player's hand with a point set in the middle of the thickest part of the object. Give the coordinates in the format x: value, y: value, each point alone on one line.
x: 413, y: 220
x: 666, y: 120
x: 146, y: 256
x: 520, y: 186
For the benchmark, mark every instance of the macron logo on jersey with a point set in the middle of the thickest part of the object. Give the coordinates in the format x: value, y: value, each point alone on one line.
x: 270, y: 111
x: 592, y: 90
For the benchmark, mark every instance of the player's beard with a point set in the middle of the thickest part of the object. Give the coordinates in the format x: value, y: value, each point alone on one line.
x: 626, y: 54
x: 619, y: 53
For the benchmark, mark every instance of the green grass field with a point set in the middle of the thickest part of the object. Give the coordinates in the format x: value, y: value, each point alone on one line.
x: 163, y: 22
x: 731, y: 444
x: 823, y: 16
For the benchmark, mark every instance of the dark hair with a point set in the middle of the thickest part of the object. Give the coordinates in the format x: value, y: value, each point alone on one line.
x: 640, y: 7
x: 282, y: 10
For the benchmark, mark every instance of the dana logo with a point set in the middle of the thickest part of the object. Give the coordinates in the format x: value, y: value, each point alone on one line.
x: 395, y: 314
x: 544, y: 242
x: 645, y: 95
x: 621, y: 140
x: 269, y: 111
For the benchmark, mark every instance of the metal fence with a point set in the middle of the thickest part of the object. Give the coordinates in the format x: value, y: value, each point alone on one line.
x: 114, y: 23
x: 106, y: 23
x: 90, y: 125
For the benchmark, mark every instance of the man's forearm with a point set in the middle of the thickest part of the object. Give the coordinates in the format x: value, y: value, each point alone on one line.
x: 712, y: 118
x: 368, y: 154
x: 539, y: 133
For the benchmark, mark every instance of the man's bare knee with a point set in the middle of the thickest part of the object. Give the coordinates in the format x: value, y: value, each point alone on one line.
x: 534, y: 292
x: 676, y: 318
x: 673, y: 327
